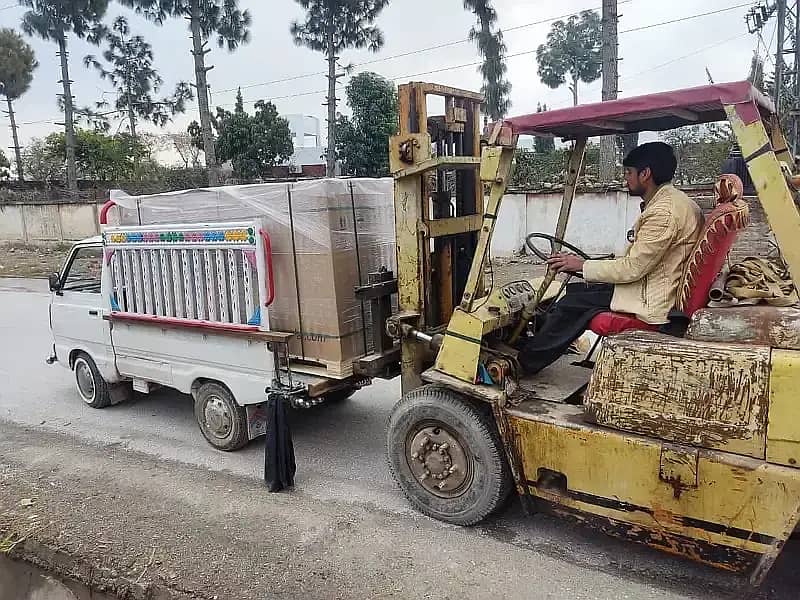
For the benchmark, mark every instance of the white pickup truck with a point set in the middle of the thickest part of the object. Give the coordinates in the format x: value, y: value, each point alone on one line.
x: 182, y: 306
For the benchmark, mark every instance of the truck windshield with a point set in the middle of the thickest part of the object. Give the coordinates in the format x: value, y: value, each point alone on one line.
x: 83, y: 271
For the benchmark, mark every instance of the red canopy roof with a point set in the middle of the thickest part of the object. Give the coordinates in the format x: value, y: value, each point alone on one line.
x: 654, y: 112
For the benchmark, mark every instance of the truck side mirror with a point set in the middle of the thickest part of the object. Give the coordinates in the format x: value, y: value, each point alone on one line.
x: 55, y: 282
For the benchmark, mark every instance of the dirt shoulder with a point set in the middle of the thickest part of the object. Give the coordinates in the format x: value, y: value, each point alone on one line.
x: 23, y: 260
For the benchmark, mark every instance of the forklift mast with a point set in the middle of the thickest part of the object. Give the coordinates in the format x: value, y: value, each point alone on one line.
x: 439, y: 202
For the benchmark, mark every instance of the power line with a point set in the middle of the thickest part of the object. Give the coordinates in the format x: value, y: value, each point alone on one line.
x: 461, y: 41
x: 405, y: 54
x: 694, y: 52
x: 479, y: 62
x: 518, y: 54
x: 462, y: 66
x: 768, y: 47
x: 687, y: 18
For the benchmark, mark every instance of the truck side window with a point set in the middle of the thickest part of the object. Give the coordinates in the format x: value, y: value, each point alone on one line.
x: 83, y: 273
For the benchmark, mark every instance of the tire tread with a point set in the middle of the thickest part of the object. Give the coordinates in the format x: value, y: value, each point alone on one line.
x: 479, y: 419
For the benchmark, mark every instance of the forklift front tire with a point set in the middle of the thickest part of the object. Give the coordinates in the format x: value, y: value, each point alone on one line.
x: 446, y: 456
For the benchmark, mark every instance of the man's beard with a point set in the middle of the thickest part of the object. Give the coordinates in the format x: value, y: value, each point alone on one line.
x: 636, y: 193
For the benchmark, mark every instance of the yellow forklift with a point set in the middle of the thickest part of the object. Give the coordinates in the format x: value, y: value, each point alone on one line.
x: 688, y: 444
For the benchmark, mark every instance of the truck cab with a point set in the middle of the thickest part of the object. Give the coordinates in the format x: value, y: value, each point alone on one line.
x: 81, y: 337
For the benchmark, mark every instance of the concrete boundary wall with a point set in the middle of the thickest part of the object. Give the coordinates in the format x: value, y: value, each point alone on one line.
x: 48, y: 222
x: 599, y: 224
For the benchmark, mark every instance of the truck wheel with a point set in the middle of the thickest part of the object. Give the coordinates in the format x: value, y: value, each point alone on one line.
x: 222, y: 421
x: 93, y: 389
x: 445, y: 454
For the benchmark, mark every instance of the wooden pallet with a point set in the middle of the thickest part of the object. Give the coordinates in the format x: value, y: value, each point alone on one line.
x: 322, y: 368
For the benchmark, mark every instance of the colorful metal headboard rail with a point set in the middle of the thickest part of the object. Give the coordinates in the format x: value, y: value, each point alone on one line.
x: 217, y: 273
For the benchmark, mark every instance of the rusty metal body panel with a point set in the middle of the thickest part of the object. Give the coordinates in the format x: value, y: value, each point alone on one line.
x: 783, y: 431
x: 730, y: 511
x: 701, y: 394
x: 776, y: 327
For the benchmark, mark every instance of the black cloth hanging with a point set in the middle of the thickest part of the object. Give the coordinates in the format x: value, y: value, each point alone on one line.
x: 279, y: 463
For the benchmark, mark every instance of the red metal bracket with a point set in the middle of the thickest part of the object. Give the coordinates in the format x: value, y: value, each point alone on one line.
x: 268, y: 257
x: 104, y: 211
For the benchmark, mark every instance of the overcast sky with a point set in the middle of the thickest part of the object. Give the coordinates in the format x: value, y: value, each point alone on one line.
x: 670, y: 56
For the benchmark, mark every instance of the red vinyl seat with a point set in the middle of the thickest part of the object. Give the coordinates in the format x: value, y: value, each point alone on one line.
x: 708, y: 256
x: 610, y: 323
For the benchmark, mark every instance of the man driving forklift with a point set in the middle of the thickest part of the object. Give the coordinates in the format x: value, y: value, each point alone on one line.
x: 645, y: 281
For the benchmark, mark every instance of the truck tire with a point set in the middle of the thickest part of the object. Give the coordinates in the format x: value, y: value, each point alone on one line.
x: 446, y: 456
x: 222, y: 421
x: 92, y: 388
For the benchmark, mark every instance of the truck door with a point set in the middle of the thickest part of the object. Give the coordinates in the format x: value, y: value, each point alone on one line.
x: 77, y: 310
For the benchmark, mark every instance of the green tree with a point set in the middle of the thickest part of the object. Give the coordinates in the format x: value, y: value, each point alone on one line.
x: 40, y: 164
x: 17, y: 63
x: 189, y: 152
x: 361, y: 140
x: 52, y: 20
x: 99, y: 156
x: 332, y: 26
x: 207, y: 18
x: 543, y: 144
x: 4, y: 166
x: 700, y: 151
x: 253, y: 143
x: 572, y: 52
x: 492, y: 48
x: 130, y: 70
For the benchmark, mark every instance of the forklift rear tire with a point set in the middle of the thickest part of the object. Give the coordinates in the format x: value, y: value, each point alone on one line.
x: 93, y: 389
x: 446, y: 456
x: 222, y: 421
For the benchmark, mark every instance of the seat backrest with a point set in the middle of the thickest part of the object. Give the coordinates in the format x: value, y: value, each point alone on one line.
x: 722, y: 226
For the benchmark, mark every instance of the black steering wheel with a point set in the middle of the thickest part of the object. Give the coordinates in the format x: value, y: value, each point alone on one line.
x: 554, y: 241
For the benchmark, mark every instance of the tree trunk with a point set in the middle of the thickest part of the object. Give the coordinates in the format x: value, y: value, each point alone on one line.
x: 200, y: 71
x: 17, y: 151
x: 574, y: 90
x: 608, y: 144
x: 132, y: 119
x: 134, y: 138
x: 69, y: 124
x: 330, y: 155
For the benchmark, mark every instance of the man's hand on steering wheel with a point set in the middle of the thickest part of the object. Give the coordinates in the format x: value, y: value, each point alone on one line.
x: 564, y: 262
x: 560, y: 262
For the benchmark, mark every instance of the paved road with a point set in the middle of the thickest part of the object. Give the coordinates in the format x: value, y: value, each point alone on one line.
x: 340, y: 455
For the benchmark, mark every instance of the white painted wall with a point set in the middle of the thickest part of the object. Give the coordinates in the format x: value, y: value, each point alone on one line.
x: 33, y: 223
x: 598, y: 224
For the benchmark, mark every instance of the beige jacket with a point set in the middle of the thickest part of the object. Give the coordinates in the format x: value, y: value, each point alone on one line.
x: 647, y: 279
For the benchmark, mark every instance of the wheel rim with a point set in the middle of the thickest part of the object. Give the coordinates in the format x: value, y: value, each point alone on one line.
x: 85, y: 380
x: 217, y: 417
x: 438, y: 459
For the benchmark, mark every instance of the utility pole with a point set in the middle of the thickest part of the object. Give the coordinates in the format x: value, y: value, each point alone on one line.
x: 796, y: 108
x: 788, y: 34
x: 779, y: 54
x: 610, y: 51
